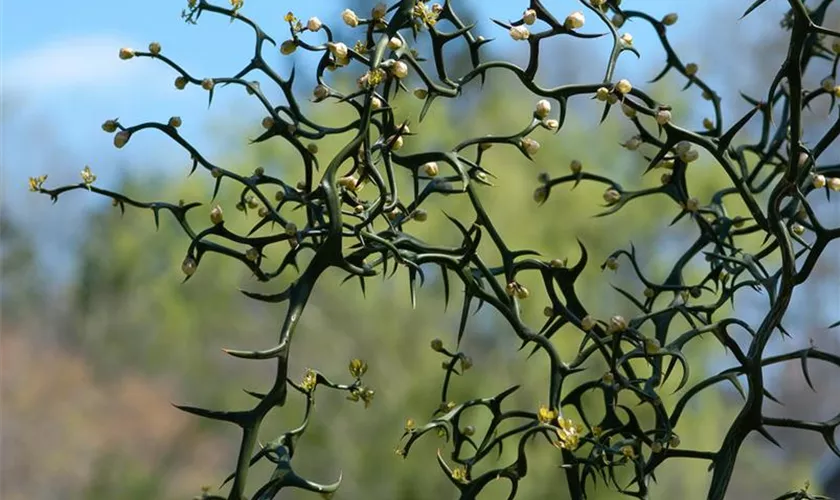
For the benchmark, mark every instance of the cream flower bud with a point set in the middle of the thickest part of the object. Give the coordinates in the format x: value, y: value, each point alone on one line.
x: 189, y: 266
x: 530, y: 145
x: 216, y: 215
x: 519, y: 33
x: 692, y: 204
x: 818, y: 181
x: 394, y: 43
x: 663, y: 116
x: 431, y: 169
x: 337, y: 49
x: 126, y: 53
x: 574, y: 21
x: 314, y: 24
x: 398, y: 144
x: 834, y: 183
x: 602, y: 94
x: 611, y: 196
x: 399, y: 69
x: 681, y: 147
x: 288, y: 47
x: 633, y: 143
x: 670, y: 19
x: 529, y: 17
x: 375, y: 103
x: 623, y: 86
x: 587, y: 323
x: 691, y: 69
x: 379, y: 10
x: 543, y: 108
x: 797, y: 229
x: 175, y: 121
x: 154, y: 48
x: 690, y: 155
x: 552, y: 125
x: 617, y: 324
x: 349, y: 17
x: 321, y: 92
x: 627, y: 39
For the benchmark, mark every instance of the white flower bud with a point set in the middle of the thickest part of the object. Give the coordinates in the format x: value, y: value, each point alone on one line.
x: 602, y: 94
x: 627, y: 39
x: 681, y: 147
x: 690, y: 155
x: 834, y: 183
x: 431, y: 169
x: 321, y: 92
x: 399, y: 69
x: 633, y: 143
x: 663, y: 116
x: 189, y: 266
x: 551, y: 125
x: 126, y: 53
x: 339, y: 50
x: 519, y: 33
x: 379, y: 10
x: 543, y: 108
x: 529, y: 17
x: 819, y: 181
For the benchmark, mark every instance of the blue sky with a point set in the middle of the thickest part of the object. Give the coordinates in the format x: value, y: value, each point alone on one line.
x: 60, y: 78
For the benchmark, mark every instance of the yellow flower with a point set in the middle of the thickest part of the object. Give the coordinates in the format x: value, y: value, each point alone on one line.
x: 87, y: 176
x: 459, y: 474
x: 35, y: 183
x: 568, y: 434
x: 546, y: 415
x: 357, y: 368
x: 289, y: 17
x: 309, y: 381
x: 628, y: 451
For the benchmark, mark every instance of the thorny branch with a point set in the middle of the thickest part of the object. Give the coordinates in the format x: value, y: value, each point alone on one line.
x: 787, y: 172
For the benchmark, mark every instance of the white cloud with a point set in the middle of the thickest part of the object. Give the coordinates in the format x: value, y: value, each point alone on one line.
x: 88, y: 62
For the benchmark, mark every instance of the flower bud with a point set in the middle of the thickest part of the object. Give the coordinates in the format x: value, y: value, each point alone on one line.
x: 666, y: 178
x: 339, y: 50
x: 394, y: 43
x: 708, y: 124
x: 540, y: 194
x: 421, y: 93
x: 587, y: 323
x: 519, y: 33
x: 575, y: 166
x: 375, y: 103
x: 126, y: 53
x: 529, y: 17
x: 321, y: 92
x: 288, y: 47
x: 574, y: 21
x: 399, y: 69
x: 548, y: 311
x: 663, y: 116
x: 121, y: 138
x: 670, y: 19
x: 834, y: 183
x: 617, y: 324
x: 628, y: 111
x: 617, y: 20
x: 797, y: 229
x: 690, y: 155
x: 611, y: 264
x: 691, y: 69
x: 175, y: 121
x: 551, y: 125
x: 543, y: 108
x: 349, y: 17
x: 207, y: 84
x: 633, y: 143
x: 216, y: 172
x: 602, y: 94
x: 627, y: 39
x: 109, y: 126
x: 189, y: 266
x: 180, y: 83
x: 379, y: 10
x: 431, y: 169
x: 420, y: 215
x: 611, y: 196
x: 252, y: 254
x: 398, y: 143
x: 314, y: 24
x: 818, y: 181
x: 530, y: 145
x: 216, y: 215
x: 623, y: 87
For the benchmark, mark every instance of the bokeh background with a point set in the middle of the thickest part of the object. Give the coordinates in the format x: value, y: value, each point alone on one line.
x: 99, y: 335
